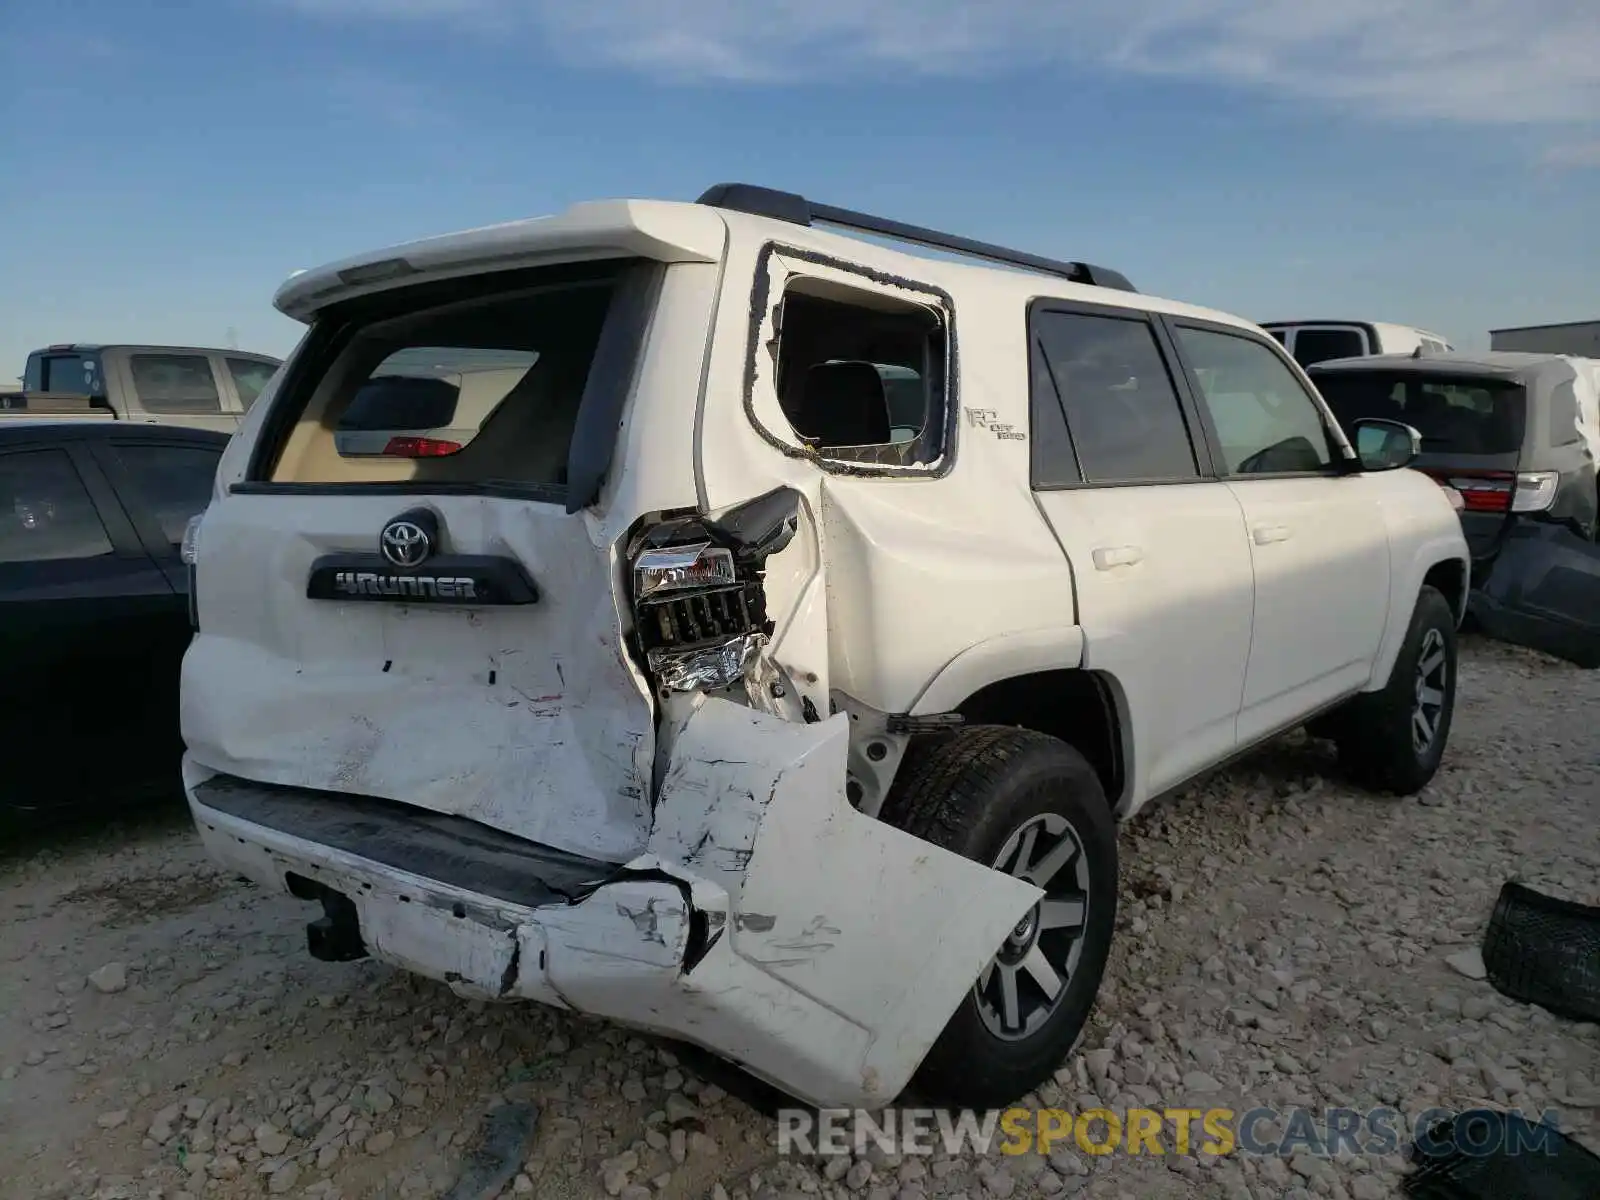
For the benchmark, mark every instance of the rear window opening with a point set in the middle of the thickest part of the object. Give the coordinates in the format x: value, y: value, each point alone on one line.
x: 428, y: 402
x: 1454, y: 414
x: 860, y: 376
x: 466, y: 384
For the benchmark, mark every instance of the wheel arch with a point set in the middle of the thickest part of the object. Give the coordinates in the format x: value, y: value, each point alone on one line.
x: 1084, y: 709
x: 1035, y: 679
x: 1440, y: 562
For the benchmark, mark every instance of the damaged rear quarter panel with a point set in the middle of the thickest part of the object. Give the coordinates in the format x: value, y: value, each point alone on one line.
x: 880, y: 928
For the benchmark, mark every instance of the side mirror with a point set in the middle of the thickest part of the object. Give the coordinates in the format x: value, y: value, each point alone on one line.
x: 1386, y: 445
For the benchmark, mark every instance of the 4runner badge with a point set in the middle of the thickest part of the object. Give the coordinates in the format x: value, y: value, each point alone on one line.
x: 411, y: 567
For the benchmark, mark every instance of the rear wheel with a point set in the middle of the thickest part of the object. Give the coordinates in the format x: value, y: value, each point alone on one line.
x: 1031, y: 806
x: 1394, y: 739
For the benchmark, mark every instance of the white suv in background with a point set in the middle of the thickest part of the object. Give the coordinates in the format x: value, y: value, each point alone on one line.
x: 1311, y: 342
x: 771, y: 667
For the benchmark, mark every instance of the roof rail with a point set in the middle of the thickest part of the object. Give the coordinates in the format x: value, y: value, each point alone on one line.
x: 797, y: 210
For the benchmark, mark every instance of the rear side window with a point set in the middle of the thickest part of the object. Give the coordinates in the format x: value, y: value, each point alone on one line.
x: 1319, y: 345
x: 249, y: 377
x: 1454, y: 414
x: 45, y: 511
x: 1111, y: 383
x: 171, y: 483
x: 1566, y: 419
x: 451, y: 384
x: 175, y: 383
x: 861, y: 382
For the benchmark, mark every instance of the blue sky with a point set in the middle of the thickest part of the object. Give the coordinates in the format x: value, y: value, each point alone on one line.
x: 166, y: 165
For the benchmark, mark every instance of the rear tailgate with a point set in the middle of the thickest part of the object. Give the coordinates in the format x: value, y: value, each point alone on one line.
x: 433, y: 628
x: 1473, y: 427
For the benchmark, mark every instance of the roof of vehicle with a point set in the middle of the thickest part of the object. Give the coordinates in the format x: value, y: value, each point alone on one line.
x: 1390, y: 325
x: 33, y: 429
x: 676, y: 231
x: 96, y: 347
x: 1512, y: 364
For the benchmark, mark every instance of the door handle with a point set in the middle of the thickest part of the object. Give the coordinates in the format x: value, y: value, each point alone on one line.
x: 1107, y: 557
x: 1265, y: 534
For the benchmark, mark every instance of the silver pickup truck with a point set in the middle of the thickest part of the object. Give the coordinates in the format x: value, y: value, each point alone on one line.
x: 159, y: 385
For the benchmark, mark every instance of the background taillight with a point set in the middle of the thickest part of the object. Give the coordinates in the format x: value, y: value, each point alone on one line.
x: 420, y: 447
x: 1483, y: 495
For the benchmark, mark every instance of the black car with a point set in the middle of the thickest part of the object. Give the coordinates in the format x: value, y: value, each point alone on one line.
x: 94, y: 614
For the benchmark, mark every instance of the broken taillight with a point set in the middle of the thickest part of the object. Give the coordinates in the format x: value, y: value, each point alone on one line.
x: 699, y: 623
x: 420, y: 447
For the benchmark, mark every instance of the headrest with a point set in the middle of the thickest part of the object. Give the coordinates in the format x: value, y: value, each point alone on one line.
x: 843, y: 404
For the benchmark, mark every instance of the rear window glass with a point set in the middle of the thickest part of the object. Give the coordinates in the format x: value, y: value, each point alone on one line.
x: 76, y: 372
x: 480, y: 390
x: 1319, y: 345
x: 1454, y: 414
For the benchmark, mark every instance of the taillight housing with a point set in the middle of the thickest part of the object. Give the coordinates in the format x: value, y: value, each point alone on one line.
x: 189, y: 552
x: 1502, y: 491
x: 1484, y: 495
x: 698, y: 623
x: 420, y: 447
x: 1536, y: 491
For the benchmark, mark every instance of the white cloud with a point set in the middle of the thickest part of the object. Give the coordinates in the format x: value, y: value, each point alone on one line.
x: 1480, y: 61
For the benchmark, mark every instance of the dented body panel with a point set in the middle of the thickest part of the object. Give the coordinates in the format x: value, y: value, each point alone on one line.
x: 738, y: 927
x: 413, y: 703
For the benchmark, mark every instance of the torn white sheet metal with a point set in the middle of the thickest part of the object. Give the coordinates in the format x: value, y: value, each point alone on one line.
x: 825, y: 951
x: 1586, y: 394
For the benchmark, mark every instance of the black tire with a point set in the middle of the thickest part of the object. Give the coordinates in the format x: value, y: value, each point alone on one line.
x: 970, y: 792
x: 1375, y: 739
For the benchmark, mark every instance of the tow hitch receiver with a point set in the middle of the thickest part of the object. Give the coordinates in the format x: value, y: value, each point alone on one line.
x: 335, y: 936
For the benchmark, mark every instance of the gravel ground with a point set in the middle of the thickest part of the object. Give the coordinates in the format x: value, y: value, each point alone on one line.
x: 1284, y: 941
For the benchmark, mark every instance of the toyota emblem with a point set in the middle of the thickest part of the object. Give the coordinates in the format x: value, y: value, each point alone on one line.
x: 405, y: 543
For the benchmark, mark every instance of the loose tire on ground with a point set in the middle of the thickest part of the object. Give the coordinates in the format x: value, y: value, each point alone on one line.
x: 977, y: 792
x: 1376, y: 732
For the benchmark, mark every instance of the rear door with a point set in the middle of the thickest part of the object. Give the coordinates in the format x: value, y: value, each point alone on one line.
x: 161, y: 484
x: 83, y: 616
x: 1317, y: 538
x: 431, y: 625
x: 1159, y: 552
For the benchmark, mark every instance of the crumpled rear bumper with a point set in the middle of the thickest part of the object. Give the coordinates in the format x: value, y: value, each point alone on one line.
x: 767, y: 920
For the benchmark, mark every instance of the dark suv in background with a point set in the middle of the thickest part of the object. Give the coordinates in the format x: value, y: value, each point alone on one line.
x: 1515, y: 434
x: 1518, y: 436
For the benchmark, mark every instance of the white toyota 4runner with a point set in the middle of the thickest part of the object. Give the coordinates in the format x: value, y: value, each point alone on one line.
x: 771, y: 665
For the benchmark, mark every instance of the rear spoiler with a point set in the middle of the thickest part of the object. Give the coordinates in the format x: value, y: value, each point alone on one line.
x: 34, y: 403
